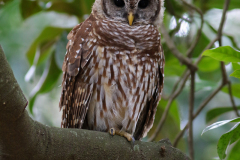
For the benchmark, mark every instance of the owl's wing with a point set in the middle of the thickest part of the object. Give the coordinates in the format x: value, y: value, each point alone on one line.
x: 146, y: 119
x: 76, y: 94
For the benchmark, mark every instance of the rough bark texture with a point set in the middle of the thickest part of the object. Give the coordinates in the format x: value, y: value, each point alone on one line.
x: 23, y: 138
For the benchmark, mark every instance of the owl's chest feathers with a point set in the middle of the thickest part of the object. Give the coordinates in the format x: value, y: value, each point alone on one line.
x: 121, y: 53
x: 122, y: 84
x: 122, y: 68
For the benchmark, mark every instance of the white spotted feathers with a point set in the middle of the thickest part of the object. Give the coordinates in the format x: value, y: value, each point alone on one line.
x: 113, y: 77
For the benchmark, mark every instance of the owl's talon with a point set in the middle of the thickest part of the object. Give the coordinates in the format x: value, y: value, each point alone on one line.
x: 129, y: 137
x: 112, y: 131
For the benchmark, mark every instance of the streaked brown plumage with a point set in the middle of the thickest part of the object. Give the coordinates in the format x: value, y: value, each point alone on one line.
x: 113, y: 72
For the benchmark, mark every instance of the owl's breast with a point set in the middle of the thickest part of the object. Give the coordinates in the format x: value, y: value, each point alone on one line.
x: 121, y: 63
x: 122, y: 83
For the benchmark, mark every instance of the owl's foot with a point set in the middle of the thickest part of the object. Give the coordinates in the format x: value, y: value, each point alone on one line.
x: 129, y: 137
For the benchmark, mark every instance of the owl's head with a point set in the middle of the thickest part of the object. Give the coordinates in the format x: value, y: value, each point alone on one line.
x: 132, y: 12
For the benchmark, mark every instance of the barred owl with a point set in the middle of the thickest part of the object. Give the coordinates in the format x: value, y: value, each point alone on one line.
x: 113, y: 68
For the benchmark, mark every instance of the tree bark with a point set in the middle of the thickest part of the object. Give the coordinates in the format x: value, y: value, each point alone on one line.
x: 23, y: 138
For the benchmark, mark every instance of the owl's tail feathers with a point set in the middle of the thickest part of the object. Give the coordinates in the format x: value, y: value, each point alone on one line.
x: 74, y: 102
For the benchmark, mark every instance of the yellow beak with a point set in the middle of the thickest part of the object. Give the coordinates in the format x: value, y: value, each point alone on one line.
x: 130, y: 18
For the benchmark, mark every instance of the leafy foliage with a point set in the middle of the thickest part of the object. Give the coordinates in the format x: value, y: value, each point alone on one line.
x: 33, y: 36
x: 213, y: 113
x: 219, y: 124
x: 228, y: 138
x: 234, y: 154
x: 235, y: 89
x: 226, y: 54
x: 236, y: 73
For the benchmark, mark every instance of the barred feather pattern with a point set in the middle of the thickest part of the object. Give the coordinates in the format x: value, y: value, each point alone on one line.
x: 113, y: 77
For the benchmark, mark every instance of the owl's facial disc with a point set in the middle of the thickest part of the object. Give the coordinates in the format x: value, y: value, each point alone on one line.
x: 132, y: 12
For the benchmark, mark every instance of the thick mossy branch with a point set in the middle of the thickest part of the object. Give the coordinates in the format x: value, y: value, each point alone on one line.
x: 23, y: 138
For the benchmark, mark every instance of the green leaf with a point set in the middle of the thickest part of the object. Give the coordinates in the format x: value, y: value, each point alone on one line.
x: 61, y: 49
x: 236, y: 66
x: 28, y: 8
x: 235, y: 89
x: 45, y: 41
x: 226, y: 54
x: 173, y: 119
x: 9, y: 16
x: 208, y: 64
x: 213, y: 113
x: 227, y: 139
x: 219, y: 124
x: 46, y: 82
x: 212, y: 76
x: 236, y: 74
x: 173, y: 111
x: 173, y: 67
x: 41, y: 54
x: 234, y: 153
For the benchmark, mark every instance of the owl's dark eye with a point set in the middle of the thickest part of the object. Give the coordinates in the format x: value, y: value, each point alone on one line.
x: 119, y: 3
x: 143, y: 4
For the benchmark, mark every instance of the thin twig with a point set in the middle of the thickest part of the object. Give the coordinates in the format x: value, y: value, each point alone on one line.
x: 182, y: 81
x: 190, y: 119
x: 208, y: 47
x: 177, y: 83
x: 201, y: 107
x: 231, y: 98
x: 220, y: 30
x: 165, y: 113
x: 186, y: 74
x: 163, y: 118
x: 224, y: 75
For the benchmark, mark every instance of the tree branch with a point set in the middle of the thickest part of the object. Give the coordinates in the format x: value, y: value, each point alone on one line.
x: 171, y: 99
x: 224, y: 75
x: 175, y: 92
x: 200, y: 108
x: 190, y: 114
x: 232, y: 99
x: 219, y: 34
x: 22, y: 137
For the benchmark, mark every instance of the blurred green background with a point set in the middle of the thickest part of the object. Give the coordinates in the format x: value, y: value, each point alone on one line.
x: 33, y: 36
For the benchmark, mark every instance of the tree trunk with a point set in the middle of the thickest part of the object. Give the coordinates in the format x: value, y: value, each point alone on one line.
x: 23, y: 138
